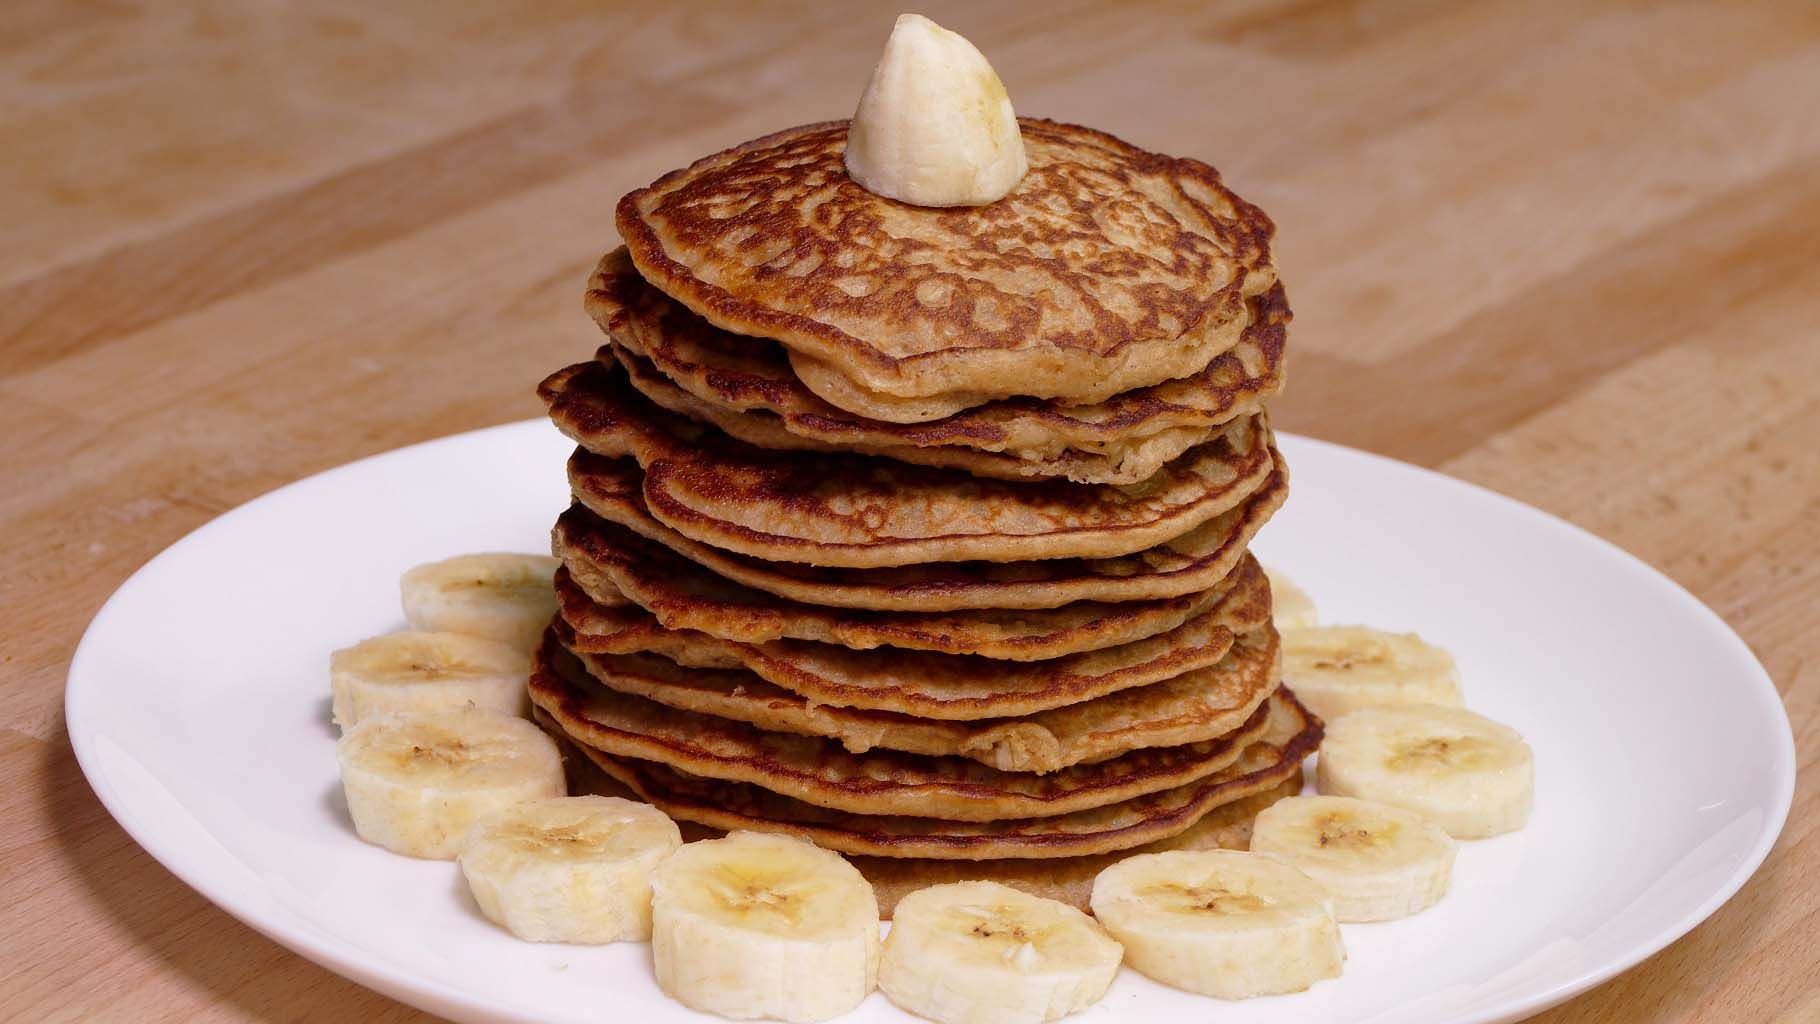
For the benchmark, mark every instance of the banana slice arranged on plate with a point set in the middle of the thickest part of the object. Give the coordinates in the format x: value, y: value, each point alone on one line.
x: 1377, y: 862
x: 569, y: 868
x: 985, y: 953
x: 1337, y: 670
x: 500, y: 596
x: 1472, y: 776
x: 415, y: 671
x: 1220, y: 922
x: 763, y: 926
x: 1290, y: 605
x: 416, y: 783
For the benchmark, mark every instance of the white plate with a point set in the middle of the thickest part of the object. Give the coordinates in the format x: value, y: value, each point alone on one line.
x: 197, y: 705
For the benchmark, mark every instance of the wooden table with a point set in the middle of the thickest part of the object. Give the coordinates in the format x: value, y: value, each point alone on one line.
x: 1568, y: 251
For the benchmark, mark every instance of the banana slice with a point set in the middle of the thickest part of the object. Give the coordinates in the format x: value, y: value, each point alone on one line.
x: 1336, y: 670
x: 570, y: 868
x: 1377, y: 862
x: 759, y: 925
x: 505, y: 597
x: 413, y: 671
x: 985, y: 953
x: 415, y: 784
x: 1290, y: 605
x: 1220, y: 922
x: 935, y: 126
x: 1469, y: 774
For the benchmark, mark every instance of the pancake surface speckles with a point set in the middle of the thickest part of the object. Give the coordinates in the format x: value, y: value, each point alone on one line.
x: 859, y: 512
x: 1107, y: 268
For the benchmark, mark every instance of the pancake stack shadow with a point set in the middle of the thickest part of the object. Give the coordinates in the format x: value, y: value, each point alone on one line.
x: 921, y: 533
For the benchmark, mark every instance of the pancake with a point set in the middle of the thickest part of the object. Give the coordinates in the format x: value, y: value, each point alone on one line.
x: 855, y: 511
x: 1192, y: 707
x: 1068, y: 879
x: 821, y: 772
x: 609, y: 564
x: 685, y: 364
x: 1291, y: 736
x: 1197, y: 560
x: 1130, y: 464
x: 1107, y: 268
x: 944, y: 686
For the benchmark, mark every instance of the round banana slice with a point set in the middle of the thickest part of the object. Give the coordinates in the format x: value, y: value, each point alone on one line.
x: 569, y: 868
x: 414, y: 671
x: 415, y: 784
x: 1220, y: 922
x: 1290, y: 605
x: 1467, y: 773
x: 985, y: 953
x: 505, y: 597
x: 759, y: 925
x: 1377, y: 862
x: 1337, y: 670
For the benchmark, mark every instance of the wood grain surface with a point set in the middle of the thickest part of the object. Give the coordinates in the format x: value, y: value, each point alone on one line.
x: 1570, y: 251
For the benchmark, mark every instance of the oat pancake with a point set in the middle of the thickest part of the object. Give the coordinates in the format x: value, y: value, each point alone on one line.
x: 1192, y: 707
x: 1107, y: 268
x: 609, y: 564
x: 857, y: 511
x: 1197, y: 560
x: 820, y: 771
x: 689, y: 366
x: 1291, y: 735
x: 955, y: 687
x: 1068, y: 879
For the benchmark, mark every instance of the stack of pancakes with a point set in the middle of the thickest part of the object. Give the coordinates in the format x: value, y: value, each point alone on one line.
x: 921, y: 533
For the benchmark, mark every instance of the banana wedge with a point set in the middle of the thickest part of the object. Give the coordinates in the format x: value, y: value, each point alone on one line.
x: 1377, y: 862
x: 1337, y: 670
x: 505, y: 597
x: 1290, y: 605
x: 569, y: 868
x: 1220, y: 922
x: 763, y: 926
x: 935, y: 126
x: 415, y: 784
x: 414, y: 671
x: 1469, y: 774
x: 985, y: 953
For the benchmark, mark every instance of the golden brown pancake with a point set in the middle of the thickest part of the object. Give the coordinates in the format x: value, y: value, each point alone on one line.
x: 1068, y: 879
x: 1197, y: 560
x: 608, y: 564
x: 953, y: 687
x: 1107, y: 268
x: 687, y: 365
x: 820, y: 771
x: 859, y: 512
x: 1192, y: 707
x: 1292, y: 735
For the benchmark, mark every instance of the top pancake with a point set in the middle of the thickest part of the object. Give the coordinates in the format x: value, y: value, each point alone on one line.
x: 1107, y: 268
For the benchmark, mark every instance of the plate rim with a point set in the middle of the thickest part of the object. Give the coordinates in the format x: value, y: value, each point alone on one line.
x: 437, y: 997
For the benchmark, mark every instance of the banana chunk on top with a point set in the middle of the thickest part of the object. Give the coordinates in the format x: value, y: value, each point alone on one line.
x: 501, y: 596
x: 1377, y: 862
x: 1472, y: 776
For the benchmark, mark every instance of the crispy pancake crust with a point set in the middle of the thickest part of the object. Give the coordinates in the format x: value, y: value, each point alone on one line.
x: 1108, y: 267
x: 946, y: 686
x: 1192, y: 707
x: 609, y: 564
x: 821, y: 772
x: 1197, y: 560
x: 1292, y: 735
x: 860, y: 512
